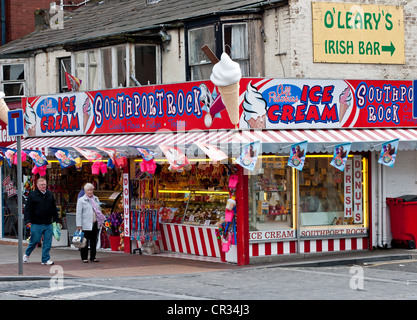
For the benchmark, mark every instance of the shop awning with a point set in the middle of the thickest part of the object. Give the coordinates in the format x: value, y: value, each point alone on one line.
x: 273, y: 140
x: 320, y: 140
x: 124, y: 140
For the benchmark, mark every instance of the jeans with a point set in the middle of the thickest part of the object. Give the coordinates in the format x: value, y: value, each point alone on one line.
x: 36, y: 233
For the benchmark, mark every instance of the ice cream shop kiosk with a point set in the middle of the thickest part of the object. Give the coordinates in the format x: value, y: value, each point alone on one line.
x: 287, y: 170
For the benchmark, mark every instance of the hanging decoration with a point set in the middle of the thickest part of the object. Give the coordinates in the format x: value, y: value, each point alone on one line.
x: 146, y: 153
x: 341, y: 152
x: 39, y: 160
x: 145, y: 215
x: 249, y: 155
x: 8, y: 154
x: 148, y: 166
x: 90, y: 155
x: 112, y: 156
x: 148, y: 163
x: 227, y: 229
x: 23, y: 157
x: 64, y: 157
x: 120, y: 160
x: 37, y: 157
x: 99, y: 166
x: 78, y: 163
x: 212, y: 152
x: 176, y: 158
x: 298, y: 155
x: 389, y: 153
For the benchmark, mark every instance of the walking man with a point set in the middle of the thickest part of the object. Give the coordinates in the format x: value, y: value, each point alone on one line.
x: 40, y: 211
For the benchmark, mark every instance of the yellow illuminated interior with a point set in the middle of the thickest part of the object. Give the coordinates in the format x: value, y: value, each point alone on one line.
x: 365, y: 192
x: 192, y: 191
x: 84, y: 161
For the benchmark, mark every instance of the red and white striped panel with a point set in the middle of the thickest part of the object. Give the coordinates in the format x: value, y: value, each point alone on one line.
x: 329, y: 135
x: 123, y: 140
x: 308, y: 246
x: 220, y: 137
x: 272, y: 248
x: 195, y: 240
x: 331, y: 245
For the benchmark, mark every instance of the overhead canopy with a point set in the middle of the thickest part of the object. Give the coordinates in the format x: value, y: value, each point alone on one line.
x: 273, y: 140
x: 320, y: 140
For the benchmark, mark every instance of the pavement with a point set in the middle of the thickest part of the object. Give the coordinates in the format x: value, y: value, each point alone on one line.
x: 119, y: 264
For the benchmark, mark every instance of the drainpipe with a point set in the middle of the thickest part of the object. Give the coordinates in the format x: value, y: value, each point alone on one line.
x: 3, y: 21
x: 384, y: 206
x: 379, y: 202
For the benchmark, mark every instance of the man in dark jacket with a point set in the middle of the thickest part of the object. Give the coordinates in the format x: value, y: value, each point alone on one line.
x: 40, y: 212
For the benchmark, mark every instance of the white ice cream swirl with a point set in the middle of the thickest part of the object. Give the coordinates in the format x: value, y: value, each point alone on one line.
x: 254, y: 105
x: 30, y: 117
x: 226, y: 72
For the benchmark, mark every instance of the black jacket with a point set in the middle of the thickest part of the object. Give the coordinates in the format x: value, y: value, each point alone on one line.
x: 40, y: 208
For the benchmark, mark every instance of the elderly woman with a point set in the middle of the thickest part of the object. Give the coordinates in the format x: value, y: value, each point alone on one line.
x: 88, y: 219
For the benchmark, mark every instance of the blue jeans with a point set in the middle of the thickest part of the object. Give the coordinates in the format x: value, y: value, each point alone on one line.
x: 36, y: 233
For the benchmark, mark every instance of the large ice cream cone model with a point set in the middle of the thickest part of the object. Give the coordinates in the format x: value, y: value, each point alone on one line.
x: 226, y: 75
x: 230, y: 98
x: 4, y: 109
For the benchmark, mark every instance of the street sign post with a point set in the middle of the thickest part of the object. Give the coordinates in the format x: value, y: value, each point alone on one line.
x: 15, y: 128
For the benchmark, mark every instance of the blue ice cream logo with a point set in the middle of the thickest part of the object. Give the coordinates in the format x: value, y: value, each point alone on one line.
x: 46, y: 107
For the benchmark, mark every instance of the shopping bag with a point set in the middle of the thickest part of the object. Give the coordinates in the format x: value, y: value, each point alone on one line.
x: 78, y: 240
x: 56, y: 230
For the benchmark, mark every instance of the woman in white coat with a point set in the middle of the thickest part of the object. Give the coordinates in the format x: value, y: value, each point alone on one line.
x: 89, y: 219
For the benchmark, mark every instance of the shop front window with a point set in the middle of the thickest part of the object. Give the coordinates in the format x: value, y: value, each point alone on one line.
x: 319, y: 201
x: 332, y: 202
x: 271, y: 199
x: 194, y: 197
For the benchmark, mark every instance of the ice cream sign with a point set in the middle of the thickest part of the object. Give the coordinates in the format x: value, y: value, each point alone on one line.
x: 51, y: 115
x: 326, y: 104
x: 254, y: 103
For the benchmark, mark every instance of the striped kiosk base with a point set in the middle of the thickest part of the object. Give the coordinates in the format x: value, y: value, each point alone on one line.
x: 308, y: 246
x: 201, y: 241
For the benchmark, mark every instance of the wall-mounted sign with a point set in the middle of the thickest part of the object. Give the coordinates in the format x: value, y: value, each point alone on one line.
x: 358, y: 33
x: 265, y: 103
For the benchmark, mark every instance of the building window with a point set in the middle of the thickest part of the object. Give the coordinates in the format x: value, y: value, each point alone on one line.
x: 106, y: 68
x: 13, y: 79
x: 199, y: 64
x: 235, y: 44
x: 80, y: 69
x: 106, y: 63
x: 233, y: 40
x: 64, y: 66
x: 145, y: 64
x: 93, y: 77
